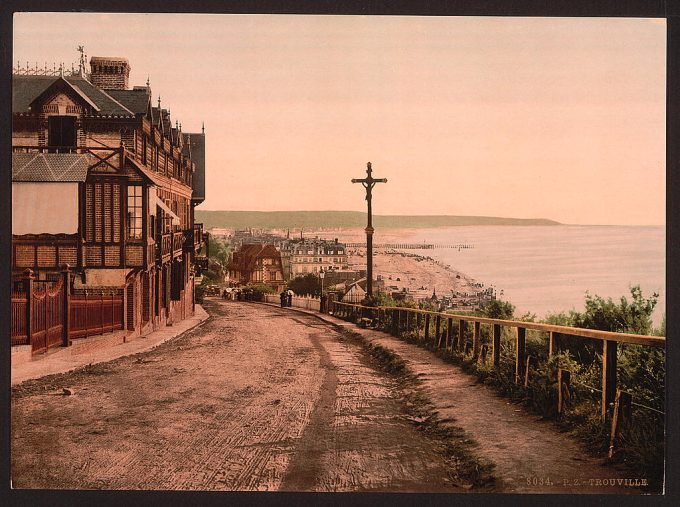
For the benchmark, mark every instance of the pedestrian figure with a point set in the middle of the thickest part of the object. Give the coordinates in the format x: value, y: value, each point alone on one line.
x: 224, y: 294
x: 283, y: 297
x: 290, y: 297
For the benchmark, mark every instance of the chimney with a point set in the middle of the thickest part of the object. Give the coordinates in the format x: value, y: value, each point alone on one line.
x: 109, y: 72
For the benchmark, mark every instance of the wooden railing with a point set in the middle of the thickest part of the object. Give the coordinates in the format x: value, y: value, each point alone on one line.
x: 450, y: 331
x: 177, y: 243
x: 106, y: 155
x: 164, y: 251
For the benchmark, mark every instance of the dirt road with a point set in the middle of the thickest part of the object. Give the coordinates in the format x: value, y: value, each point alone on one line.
x: 256, y: 398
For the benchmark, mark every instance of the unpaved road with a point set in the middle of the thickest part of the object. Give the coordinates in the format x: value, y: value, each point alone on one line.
x: 256, y: 398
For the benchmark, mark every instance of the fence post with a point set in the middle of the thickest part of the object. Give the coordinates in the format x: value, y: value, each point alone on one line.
x: 608, y: 375
x: 427, y: 327
x: 496, y: 345
x: 526, y: 372
x: 28, y: 288
x: 408, y: 322
x: 476, y: 342
x: 66, y: 285
x: 462, y: 325
x: 554, y: 343
x: 449, y: 333
x: 419, y: 318
x: 101, y: 311
x: 621, y: 417
x: 520, y: 352
x: 563, y: 392
x: 437, y: 328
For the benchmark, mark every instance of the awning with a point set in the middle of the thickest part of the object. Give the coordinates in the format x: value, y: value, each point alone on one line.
x: 167, y: 210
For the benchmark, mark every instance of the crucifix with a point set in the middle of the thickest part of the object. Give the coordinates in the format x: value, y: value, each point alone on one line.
x: 369, y: 182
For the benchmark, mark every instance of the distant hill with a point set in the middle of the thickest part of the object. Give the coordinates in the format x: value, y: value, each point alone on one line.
x: 332, y: 219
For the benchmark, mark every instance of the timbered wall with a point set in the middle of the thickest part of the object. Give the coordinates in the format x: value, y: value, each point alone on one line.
x: 103, y: 221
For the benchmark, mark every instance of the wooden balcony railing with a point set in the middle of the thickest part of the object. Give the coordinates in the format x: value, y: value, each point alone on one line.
x: 164, y: 251
x: 177, y: 243
x: 193, y: 238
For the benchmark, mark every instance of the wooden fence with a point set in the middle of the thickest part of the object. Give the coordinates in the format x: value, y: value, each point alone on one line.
x: 45, y: 314
x: 451, y: 331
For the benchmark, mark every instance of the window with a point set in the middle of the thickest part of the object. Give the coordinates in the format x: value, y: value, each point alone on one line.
x: 134, y: 212
x: 62, y: 134
x: 272, y: 275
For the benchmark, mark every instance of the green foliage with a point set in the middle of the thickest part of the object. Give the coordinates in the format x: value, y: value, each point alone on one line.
x: 498, y: 309
x: 309, y: 284
x: 625, y: 317
x: 259, y: 289
x: 220, y: 250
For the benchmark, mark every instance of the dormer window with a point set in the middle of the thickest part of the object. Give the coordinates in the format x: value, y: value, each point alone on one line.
x: 61, y: 136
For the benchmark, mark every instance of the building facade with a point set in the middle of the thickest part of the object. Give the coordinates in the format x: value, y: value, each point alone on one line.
x: 102, y: 181
x: 303, y: 256
x: 257, y: 263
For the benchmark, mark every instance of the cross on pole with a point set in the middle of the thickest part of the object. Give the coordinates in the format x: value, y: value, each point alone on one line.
x: 369, y: 182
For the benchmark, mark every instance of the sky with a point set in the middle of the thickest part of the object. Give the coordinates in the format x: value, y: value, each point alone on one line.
x: 560, y: 118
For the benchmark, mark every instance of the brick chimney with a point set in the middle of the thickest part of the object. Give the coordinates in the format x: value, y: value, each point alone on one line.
x: 111, y: 72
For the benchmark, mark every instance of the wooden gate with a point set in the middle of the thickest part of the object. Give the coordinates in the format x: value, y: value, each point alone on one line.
x: 47, y: 316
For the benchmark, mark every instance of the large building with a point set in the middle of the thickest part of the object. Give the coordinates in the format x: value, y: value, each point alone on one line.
x: 257, y: 263
x: 104, y: 182
x: 303, y: 256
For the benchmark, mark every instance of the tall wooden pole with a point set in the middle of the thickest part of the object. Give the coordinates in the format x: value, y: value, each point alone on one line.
x: 368, y: 183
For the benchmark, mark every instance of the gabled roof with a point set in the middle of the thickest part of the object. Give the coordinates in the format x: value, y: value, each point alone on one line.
x: 246, y: 257
x: 51, y: 167
x: 27, y: 89
x: 136, y: 100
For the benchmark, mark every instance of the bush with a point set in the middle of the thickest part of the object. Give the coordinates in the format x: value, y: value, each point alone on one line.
x: 259, y: 289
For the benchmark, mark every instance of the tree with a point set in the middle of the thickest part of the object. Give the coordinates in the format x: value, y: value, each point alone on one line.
x: 625, y: 317
x: 498, y: 309
x: 309, y: 284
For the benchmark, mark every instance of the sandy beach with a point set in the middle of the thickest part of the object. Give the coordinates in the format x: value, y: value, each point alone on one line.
x: 419, y: 275
x: 402, y: 269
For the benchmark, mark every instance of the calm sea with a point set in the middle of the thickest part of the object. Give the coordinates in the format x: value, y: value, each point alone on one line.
x: 549, y: 269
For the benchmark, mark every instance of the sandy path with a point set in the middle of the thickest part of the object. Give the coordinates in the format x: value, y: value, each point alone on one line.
x: 258, y: 398
x: 527, y: 451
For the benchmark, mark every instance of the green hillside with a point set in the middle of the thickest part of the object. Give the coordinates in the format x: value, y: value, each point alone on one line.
x: 330, y: 219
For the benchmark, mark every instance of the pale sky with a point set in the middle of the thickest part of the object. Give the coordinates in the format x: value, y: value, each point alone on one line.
x: 560, y: 118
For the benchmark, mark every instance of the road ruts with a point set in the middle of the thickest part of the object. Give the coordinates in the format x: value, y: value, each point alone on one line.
x: 258, y: 398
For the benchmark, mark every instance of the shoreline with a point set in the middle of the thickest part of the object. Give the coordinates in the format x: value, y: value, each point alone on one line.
x: 420, y: 275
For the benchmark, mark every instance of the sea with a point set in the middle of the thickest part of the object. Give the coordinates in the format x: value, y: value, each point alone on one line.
x: 549, y: 269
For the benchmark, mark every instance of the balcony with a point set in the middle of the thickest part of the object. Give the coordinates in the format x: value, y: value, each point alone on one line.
x: 165, y: 249
x: 177, y: 243
x: 193, y: 239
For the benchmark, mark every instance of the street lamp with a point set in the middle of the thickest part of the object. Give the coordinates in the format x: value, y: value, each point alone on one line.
x: 321, y: 276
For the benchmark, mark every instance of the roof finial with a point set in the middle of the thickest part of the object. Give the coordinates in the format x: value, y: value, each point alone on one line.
x: 180, y: 127
x: 148, y: 83
x: 83, y: 57
x: 159, y: 102
x: 203, y: 128
x: 61, y: 70
x: 176, y: 125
